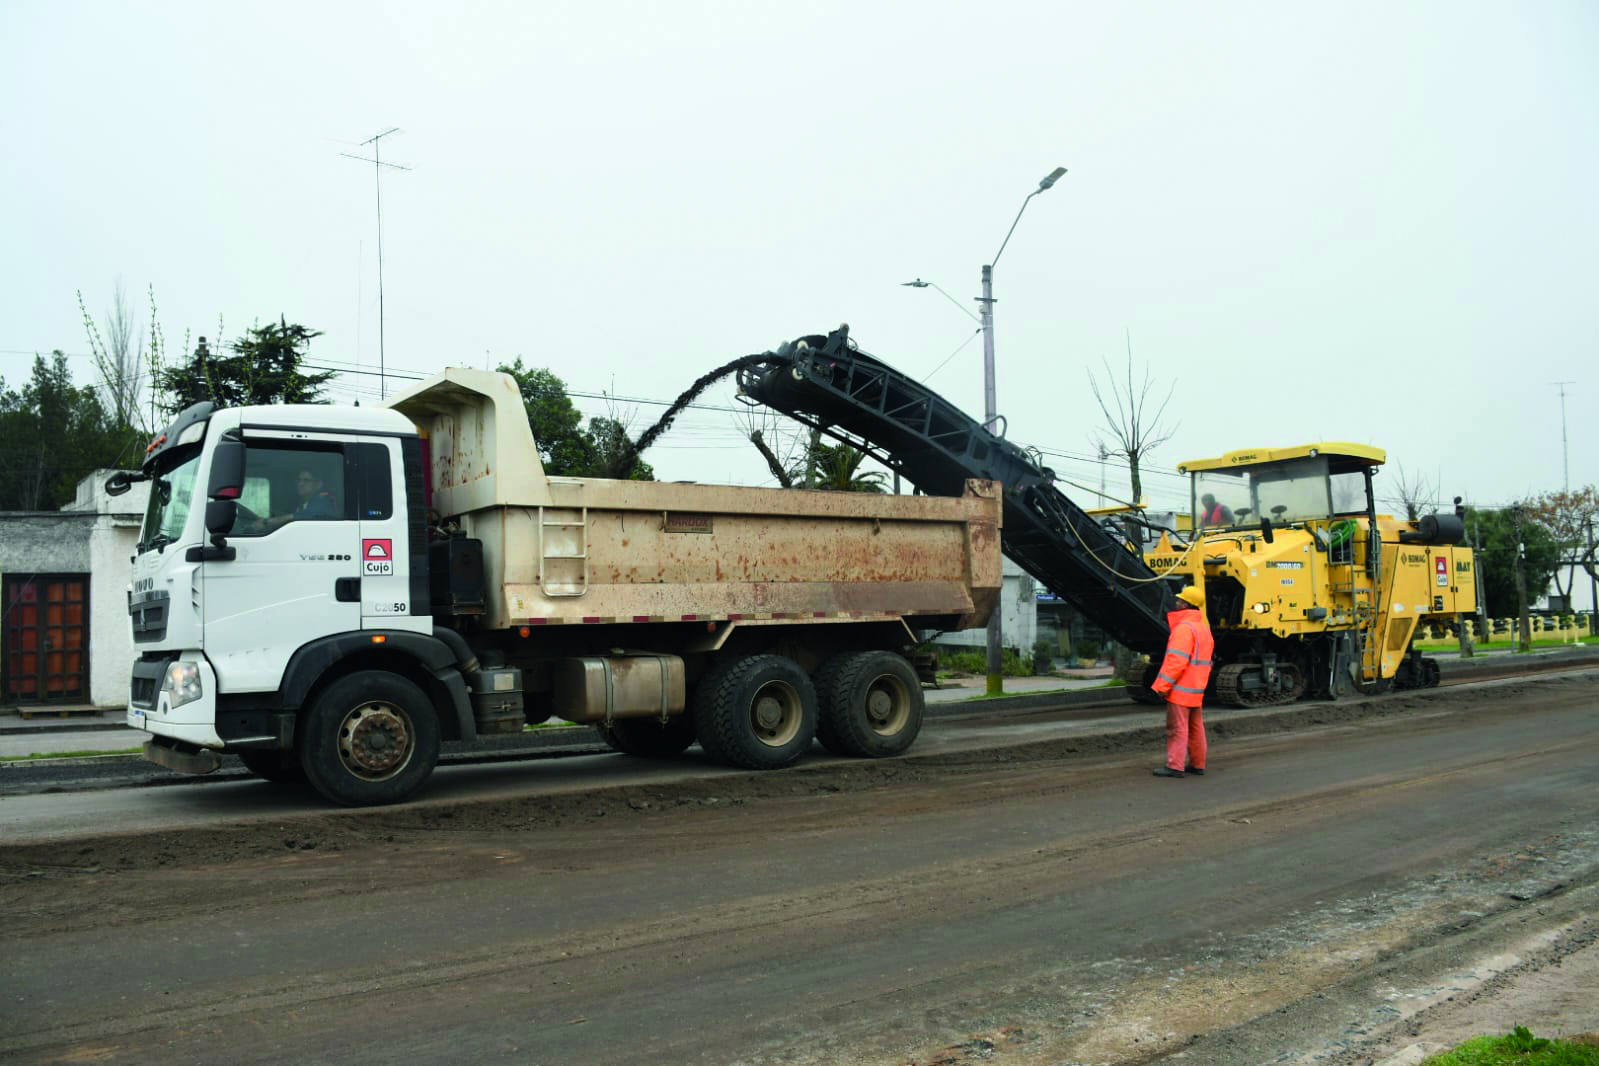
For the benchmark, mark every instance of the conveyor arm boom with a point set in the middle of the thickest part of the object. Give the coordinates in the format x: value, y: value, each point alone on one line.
x: 852, y: 397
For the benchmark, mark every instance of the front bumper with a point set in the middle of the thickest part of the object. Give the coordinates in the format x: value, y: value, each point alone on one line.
x: 150, y: 708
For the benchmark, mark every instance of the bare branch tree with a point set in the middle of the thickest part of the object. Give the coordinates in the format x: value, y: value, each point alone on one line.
x: 1416, y: 494
x: 156, y: 363
x: 116, y: 355
x: 1134, y: 429
x: 777, y: 439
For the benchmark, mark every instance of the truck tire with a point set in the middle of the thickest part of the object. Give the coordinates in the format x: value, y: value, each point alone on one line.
x: 824, y: 680
x: 872, y: 705
x: 758, y: 712
x: 369, y: 739
x: 279, y: 767
x: 648, y: 738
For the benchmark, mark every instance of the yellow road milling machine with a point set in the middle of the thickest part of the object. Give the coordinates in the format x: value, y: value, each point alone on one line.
x: 1309, y: 590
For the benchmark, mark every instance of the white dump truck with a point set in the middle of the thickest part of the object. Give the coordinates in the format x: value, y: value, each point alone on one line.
x: 330, y: 592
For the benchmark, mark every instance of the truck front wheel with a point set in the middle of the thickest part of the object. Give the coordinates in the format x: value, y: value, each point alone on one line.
x: 872, y: 705
x: 758, y: 712
x: 369, y: 739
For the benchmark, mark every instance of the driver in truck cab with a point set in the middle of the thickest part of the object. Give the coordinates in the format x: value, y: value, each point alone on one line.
x: 315, y: 501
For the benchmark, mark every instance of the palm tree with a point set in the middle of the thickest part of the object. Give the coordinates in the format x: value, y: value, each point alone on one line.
x: 837, y: 468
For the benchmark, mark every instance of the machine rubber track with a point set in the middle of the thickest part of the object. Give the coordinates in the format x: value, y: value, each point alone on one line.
x: 850, y: 396
x: 1430, y: 676
x: 1229, y: 690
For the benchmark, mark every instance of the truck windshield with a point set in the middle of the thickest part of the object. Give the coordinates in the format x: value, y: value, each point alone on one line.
x: 171, y: 493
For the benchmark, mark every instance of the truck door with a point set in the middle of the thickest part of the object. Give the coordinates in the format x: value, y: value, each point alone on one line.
x: 378, y: 468
x: 295, y: 576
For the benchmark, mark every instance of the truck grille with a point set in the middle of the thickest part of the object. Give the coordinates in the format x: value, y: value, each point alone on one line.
x: 150, y: 617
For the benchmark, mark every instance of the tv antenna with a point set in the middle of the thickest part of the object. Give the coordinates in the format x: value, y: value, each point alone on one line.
x: 377, y: 173
x: 1565, y: 461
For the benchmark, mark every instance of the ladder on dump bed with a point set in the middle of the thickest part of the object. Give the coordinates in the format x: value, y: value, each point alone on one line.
x: 854, y: 398
x: 563, y: 540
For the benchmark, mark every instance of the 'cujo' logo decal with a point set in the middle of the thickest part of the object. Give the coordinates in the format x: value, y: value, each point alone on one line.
x: 377, y: 557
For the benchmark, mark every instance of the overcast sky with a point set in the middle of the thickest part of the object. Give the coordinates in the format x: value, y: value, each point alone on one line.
x: 1363, y: 222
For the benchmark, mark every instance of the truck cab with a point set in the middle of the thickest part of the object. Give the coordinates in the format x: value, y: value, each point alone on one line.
x: 278, y: 542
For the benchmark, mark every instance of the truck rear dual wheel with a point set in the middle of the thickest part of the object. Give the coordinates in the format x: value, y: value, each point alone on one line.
x: 648, y: 738
x: 757, y: 712
x: 369, y: 739
x: 871, y: 704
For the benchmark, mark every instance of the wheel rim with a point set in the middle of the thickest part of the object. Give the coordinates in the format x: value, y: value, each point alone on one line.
x: 776, y: 713
x: 888, y: 705
x: 375, y: 740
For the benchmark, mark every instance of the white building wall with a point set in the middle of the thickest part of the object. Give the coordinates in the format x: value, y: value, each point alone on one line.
x: 95, y: 535
x: 112, y: 541
x: 111, y: 547
x: 1019, y: 621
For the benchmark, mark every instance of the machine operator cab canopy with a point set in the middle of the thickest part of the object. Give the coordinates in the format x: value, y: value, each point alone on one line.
x: 1312, y: 482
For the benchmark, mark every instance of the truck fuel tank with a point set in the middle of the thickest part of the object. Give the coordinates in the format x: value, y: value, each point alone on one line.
x: 626, y: 685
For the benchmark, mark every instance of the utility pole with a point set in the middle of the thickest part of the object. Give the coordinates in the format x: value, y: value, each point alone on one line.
x: 1524, y: 643
x: 1483, y: 625
x: 1593, y: 589
x: 1104, y: 456
x: 377, y: 175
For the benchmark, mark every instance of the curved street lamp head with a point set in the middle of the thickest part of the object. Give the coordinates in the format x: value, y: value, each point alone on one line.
x: 917, y: 284
x: 1043, y: 186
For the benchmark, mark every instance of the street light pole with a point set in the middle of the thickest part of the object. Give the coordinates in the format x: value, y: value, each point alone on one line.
x: 996, y: 654
x: 996, y: 659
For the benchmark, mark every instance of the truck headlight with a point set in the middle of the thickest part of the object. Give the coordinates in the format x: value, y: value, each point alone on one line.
x: 182, y: 684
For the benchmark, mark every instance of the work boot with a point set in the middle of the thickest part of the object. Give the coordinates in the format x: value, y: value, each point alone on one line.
x: 1197, y: 771
x: 1167, y: 771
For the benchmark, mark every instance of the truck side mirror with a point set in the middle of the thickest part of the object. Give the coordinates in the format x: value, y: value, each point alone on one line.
x: 121, y: 482
x: 220, y: 516
x: 227, y: 472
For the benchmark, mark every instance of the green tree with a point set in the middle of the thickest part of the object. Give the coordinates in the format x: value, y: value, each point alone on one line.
x: 566, y: 447
x: 262, y: 367
x: 1496, y: 558
x: 1569, y: 516
x: 53, y: 434
x: 610, y: 442
x: 556, y: 422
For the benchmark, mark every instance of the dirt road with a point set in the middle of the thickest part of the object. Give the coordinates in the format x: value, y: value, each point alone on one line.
x: 1327, y: 894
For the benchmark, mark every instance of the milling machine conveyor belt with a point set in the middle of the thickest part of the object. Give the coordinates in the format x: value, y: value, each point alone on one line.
x: 852, y: 397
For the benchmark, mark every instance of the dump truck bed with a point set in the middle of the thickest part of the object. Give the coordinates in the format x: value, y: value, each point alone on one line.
x: 560, y: 551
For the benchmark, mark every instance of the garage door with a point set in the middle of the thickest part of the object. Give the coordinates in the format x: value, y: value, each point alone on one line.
x: 46, y: 638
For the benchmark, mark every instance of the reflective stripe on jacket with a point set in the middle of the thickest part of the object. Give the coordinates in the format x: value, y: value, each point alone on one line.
x: 1185, y: 671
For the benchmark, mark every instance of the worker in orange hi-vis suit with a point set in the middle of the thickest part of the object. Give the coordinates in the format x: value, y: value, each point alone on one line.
x: 1183, y: 675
